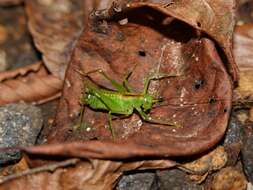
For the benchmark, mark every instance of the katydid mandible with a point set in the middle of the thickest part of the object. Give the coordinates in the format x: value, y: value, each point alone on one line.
x: 122, y: 101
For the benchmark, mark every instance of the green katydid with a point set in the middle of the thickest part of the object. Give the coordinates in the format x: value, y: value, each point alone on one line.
x: 122, y: 101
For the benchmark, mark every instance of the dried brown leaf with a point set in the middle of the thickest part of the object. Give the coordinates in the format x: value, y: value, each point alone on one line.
x: 200, y: 100
x: 55, y: 26
x: 93, y: 174
x: 30, y: 84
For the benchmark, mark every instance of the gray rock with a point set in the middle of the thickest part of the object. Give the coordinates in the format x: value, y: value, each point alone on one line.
x: 247, y: 156
x: 234, y: 132
x: 138, y: 181
x: 174, y: 179
x: 20, y: 125
x: 233, y: 140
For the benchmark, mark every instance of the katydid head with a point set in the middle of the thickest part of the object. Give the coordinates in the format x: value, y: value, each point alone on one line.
x: 159, y: 99
x: 148, y: 101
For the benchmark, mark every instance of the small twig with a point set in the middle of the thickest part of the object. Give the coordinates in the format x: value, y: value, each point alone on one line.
x: 187, y: 170
x: 50, y: 168
x: 48, y: 99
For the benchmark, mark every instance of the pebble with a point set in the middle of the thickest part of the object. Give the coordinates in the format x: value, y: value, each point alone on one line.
x: 20, y: 125
x: 138, y: 181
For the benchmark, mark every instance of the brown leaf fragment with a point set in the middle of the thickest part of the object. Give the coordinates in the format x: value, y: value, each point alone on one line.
x: 214, y: 160
x: 244, y: 91
x: 29, y: 84
x: 93, y: 174
x: 243, y: 48
x: 55, y: 26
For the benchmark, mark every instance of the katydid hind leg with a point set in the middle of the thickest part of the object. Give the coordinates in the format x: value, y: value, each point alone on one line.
x: 148, y: 118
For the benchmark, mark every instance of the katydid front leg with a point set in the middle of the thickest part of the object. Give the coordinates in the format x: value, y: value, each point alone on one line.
x: 119, y: 87
x: 124, y: 87
x: 149, y: 119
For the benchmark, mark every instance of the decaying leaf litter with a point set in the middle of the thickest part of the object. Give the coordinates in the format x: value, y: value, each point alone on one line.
x: 199, y: 47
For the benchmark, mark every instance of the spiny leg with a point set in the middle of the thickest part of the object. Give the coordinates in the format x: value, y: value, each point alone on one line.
x: 81, y: 116
x: 119, y: 87
x: 110, y: 126
x: 125, y: 81
x: 148, y: 118
x: 124, y: 87
x: 80, y: 124
x: 109, y: 114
